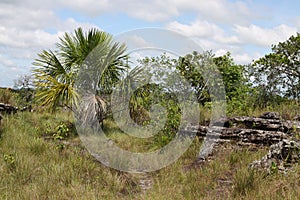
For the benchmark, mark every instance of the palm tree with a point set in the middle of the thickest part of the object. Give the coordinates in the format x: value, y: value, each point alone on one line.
x: 57, y: 70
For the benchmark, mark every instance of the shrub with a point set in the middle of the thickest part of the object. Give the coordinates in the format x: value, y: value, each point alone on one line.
x: 61, y: 132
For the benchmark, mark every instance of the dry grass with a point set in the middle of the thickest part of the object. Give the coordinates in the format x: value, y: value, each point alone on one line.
x: 37, y: 167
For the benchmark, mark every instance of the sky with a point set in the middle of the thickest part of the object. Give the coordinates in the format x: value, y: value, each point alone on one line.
x: 247, y: 29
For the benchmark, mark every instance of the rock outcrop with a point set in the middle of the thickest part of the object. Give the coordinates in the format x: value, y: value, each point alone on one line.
x: 259, y: 123
x: 9, y: 109
x: 238, y: 134
x: 6, y: 108
x: 258, y: 130
x: 267, y: 130
x: 280, y: 157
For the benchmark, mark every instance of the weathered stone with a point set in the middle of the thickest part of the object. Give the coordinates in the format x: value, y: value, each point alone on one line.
x: 6, y: 108
x: 280, y: 157
x: 238, y: 134
x: 259, y: 124
x: 266, y: 130
x: 270, y: 115
x: 9, y: 109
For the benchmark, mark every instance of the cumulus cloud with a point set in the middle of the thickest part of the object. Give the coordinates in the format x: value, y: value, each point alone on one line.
x: 137, y: 41
x: 157, y: 10
x: 219, y: 10
x: 243, y: 58
x: 264, y: 36
x: 147, y: 10
x: 27, y: 27
x: 233, y: 38
x: 203, y: 29
x: 197, y: 28
x: 210, y: 37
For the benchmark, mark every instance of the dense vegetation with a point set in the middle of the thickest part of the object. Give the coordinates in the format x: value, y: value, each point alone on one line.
x: 43, y: 157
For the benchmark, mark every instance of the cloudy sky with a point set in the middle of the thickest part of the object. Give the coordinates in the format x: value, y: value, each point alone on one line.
x: 245, y: 28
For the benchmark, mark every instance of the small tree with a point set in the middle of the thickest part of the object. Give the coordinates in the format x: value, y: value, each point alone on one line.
x: 233, y: 76
x: 279, y: 71
x: 25, y: 88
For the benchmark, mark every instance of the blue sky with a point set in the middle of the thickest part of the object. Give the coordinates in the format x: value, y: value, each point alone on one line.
x: 245, y: 28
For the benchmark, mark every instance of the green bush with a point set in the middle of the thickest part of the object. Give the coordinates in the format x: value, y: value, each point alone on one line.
x: 10, y: 160
x: 61, y: 132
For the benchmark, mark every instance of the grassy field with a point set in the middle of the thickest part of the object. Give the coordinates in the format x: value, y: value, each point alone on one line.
x: 43, y: 158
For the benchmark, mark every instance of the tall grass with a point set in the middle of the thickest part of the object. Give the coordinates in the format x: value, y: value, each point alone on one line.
x: 43, y: 171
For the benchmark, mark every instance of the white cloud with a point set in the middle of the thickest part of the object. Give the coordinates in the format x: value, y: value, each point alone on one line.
x: 147, y: 10
x: 210, y: 36
x: 238, y: 57
x: 27, y: 27
x: 195, y: 29
x: 220, y: 52
x: 264, y: 36
x: 157, y: 10
x: 138, y: 41
x: 20, y: 20
x: 220, y: 10
x: 16, y: 38
x: 243, y: 58
x: 88, y: 7
x: 203, y: 29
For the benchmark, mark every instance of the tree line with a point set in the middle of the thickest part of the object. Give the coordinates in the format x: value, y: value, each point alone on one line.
x: 268, y: 81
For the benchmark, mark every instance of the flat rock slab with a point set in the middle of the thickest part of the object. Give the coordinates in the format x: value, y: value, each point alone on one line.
x: 259, y: 124
x: 239, y: 134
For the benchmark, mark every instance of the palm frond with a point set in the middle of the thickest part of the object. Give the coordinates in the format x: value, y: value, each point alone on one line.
x: 55, y: 93
x: 58, y: 70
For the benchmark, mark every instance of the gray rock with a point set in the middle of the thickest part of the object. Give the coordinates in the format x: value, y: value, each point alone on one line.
x: 270, y: 115
x: 259, y: 123
x: 255, y: 136
x: 6, y: 108
x: 280, y: 157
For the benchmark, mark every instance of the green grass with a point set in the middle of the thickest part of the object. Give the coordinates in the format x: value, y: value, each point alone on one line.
x: 34, y: 166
